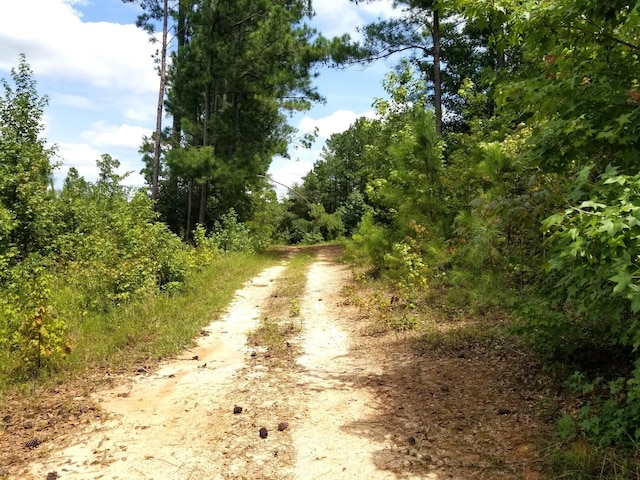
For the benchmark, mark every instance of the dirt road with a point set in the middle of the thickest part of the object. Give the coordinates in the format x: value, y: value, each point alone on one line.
x: 351, y: 407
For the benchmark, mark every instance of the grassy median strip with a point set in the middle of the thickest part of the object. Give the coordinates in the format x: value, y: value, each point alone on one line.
x: 281, y: 319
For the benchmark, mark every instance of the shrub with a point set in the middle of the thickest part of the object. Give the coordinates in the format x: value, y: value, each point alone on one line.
x: 593, y: 273
x: 29, y: 326
x: 230, y: 235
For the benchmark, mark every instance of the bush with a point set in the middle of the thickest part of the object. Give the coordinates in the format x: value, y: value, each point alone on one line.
x: 593, y: 273
x: 406, y: 268
x: 29, y: 325
x: 369, y: 243
x: 229, y: 235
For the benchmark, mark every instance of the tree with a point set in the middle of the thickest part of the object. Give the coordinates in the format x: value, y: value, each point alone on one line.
x: 154, y: 11
x: 417, y: 30
x: 25, y: 167
x: 241, y: 65
x: 343, y: 167
x: 444, y: 46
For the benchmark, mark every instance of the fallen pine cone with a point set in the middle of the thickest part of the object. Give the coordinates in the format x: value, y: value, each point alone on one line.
x: 237, y: 409
x: 264, y: 433
x: 33, y: 443
x: 283, y: 426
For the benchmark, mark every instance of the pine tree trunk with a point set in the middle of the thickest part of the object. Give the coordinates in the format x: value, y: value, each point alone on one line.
x: 163, y: 79
x: 436, y: 70
x: 189, y: 208
x: 500, y: 58
x: 202, y: 218
x: 204, y: 193
x: 182, y: 40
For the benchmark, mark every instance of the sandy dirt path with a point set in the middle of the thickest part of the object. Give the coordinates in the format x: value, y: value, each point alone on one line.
x: 160, y: 425
x: 335, y: 440
x: 177, y: 423
x: 357, y: 404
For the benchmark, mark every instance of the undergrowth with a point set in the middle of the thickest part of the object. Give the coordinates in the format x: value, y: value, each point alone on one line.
x: 580, y: 460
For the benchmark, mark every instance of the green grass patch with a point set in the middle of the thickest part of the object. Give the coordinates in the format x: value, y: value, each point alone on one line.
x: 281, y: 316
x: 579, y: 460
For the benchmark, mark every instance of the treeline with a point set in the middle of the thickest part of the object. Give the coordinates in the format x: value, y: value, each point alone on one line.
x: 530, y: 195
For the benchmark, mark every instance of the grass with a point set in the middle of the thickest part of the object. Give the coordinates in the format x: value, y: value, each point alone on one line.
x: 579, y: 460
x: 144, y: 331
x: 281, y: 315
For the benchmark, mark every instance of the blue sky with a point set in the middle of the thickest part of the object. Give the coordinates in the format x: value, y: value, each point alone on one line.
x: 96, y: 68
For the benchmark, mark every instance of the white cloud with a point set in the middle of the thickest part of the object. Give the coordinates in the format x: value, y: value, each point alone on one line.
x: 289, y: 172
x: 337, y: 122
x: 143, y: 113
x: 337, y: 17
x: 126, y: 136
x: 82, y: 156
x: 60, y: 46
x: 75, y: 101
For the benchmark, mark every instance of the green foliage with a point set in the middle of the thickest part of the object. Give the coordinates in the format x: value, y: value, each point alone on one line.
x: 88, y: 250
x: 403, y: 322
x: 239, y: 68
x: 464, y: 52
x: 369, y: 243
x: 592, y: 256
x: 312, y: 238
x: 403, y: 192
x: 406, y: 268
x: 592, y: 281
x: 111, y: 244
x: 554, y: 335
x: 206, y: 246
x: 26, y: 213
x: 268, y: 214
x: 611, y: 415
x: 352, y: 211
x: 229, y: 235
x: 30, y: 327
x: 328, y: 226
x: 310, y: 224
x: 530, y: 199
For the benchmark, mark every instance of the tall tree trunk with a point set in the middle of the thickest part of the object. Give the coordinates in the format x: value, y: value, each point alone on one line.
x: 501, y: 60
x: 163, y: 79
x: 181, y: 35
x: 204, y: 193
x: 189, y: 208
x: 437, y: 81
x: 202, y: 218
x: 498, y: 28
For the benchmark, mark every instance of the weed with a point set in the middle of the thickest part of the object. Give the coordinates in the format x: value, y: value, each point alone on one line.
x: 294, y: 308
x: 402, y: 323
x: 579, y: 460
